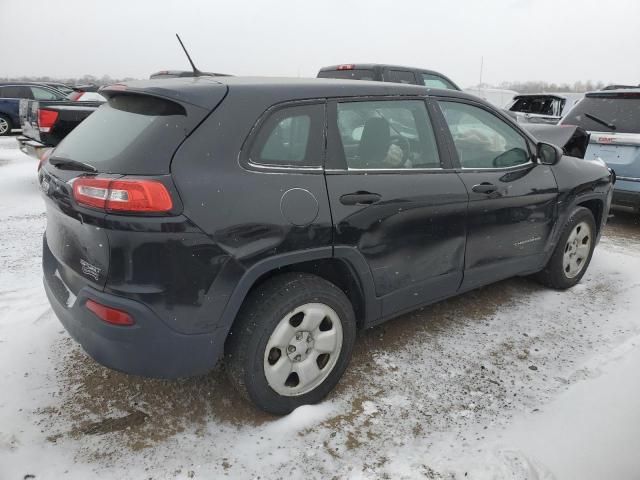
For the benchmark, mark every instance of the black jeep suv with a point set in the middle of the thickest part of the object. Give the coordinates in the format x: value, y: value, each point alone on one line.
x: 266, y: 220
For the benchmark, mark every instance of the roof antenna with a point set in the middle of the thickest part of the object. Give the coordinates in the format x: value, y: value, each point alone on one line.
x: 196, y: 72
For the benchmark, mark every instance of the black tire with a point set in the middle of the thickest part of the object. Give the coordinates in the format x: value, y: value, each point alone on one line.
x: 554, y: 275
x: 261, y: 313
x: 9, y: 125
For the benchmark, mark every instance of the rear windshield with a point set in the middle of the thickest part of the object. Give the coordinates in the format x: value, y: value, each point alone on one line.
x: 135, y: 134
x: 356, y: 74
x: 621, y: 111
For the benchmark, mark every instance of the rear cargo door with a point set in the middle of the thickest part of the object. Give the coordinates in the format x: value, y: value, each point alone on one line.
x: 134, y: 136
x: 613, y: 119
x: 621, y: 152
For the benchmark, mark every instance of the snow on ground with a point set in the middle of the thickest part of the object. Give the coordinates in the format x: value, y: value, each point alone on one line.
x: 512, y: 381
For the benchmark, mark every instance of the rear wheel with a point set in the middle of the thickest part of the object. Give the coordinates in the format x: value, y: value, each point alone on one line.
x: 5, y: 125
x: 291, y: 342
x: 573, y: 253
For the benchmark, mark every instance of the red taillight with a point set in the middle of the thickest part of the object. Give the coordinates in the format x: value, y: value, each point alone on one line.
x: 108, y: 314
x: 346, y: 67
x: 122, y: 195
x: 46, y: 119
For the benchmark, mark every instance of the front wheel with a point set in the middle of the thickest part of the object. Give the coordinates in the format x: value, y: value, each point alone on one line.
x: 5, y: 126
x: 572, y: 255
x: 291, y: 342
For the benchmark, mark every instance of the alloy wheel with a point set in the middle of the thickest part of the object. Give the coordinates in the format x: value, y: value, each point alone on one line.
x: 577, y: 249
x: 303, y: 349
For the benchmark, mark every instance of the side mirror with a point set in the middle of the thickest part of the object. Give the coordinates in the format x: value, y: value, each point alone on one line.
x: 548, y: 154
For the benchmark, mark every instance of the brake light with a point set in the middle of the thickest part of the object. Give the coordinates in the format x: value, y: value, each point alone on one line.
x: 108, y: 314
x: 122, y: 195
x: 346, y: 67
x: 46, y: 119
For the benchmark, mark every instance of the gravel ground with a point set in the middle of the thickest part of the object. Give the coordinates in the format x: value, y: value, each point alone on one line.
x: 427, y: 395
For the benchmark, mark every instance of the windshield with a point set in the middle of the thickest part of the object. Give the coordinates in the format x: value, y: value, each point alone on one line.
x: 602, y: 113
x: 130, y: 134
x: 543, y: 105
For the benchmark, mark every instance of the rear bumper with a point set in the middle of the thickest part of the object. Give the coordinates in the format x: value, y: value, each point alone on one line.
x: 31, y: 147
x: 149, y: 348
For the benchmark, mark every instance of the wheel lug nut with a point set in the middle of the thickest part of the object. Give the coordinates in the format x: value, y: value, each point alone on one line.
x: 309, y: 339
x: 298, y: 336
x: 297, y: 358
x: 291, y: 348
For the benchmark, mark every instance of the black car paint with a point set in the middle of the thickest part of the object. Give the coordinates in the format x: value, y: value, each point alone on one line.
x: 184, y: 276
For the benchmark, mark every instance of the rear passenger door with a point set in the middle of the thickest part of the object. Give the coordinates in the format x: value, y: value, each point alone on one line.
x: 395, y: 200
x: 512, y: 198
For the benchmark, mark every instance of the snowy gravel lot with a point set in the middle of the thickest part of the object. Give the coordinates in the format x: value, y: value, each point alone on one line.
x: 512, y: 381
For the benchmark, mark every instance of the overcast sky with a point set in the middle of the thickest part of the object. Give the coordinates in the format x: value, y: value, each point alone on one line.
x: 551, y: 40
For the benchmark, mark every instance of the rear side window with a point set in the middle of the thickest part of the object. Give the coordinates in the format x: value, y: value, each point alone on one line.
x: 434, y: 81
x: 135, y: 134
x: 16, y: 91
x: 393, y: 134
x: 400, y: 76
x: 601, y: 113
x: 291, y: 137
x: 355, y: 74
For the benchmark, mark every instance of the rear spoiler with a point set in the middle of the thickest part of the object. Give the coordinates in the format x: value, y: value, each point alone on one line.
x: 572, y: 139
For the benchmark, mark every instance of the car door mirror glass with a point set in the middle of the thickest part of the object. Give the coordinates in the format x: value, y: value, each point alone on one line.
x: 548, y: 154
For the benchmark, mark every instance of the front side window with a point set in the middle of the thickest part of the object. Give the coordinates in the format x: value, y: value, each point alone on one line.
x: 292, y: 136
x: 483, y: 140
x: 434, y: 81
x: 393, y: 134
x: 400, y: 76
x: 43, y: 94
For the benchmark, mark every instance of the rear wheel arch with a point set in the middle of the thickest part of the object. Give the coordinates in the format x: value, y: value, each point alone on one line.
x: 351, y: 275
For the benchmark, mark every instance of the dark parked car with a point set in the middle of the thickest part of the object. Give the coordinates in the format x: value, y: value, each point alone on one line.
x: 45, y: 123
x: 10, y: 95
x: 269, y: 219
x: 388, y: 73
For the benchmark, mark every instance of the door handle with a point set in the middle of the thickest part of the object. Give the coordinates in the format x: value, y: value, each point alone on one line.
x: 485, y: 187
x: 359, y: 198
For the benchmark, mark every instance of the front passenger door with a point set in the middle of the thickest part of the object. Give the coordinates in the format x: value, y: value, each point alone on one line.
x: 512, y: 198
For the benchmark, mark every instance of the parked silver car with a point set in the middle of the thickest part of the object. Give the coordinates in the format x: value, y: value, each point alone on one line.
x: 547, y: 108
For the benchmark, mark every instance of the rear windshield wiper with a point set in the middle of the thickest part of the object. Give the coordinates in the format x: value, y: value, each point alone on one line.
x: 600, y: 121
x: 68, y: 164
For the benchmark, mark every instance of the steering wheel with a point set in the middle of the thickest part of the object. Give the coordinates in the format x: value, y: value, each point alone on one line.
x: 404, y: 145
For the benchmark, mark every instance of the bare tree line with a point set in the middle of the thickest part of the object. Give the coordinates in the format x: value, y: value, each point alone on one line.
x: 83, y: 80
x: 539, y: 86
